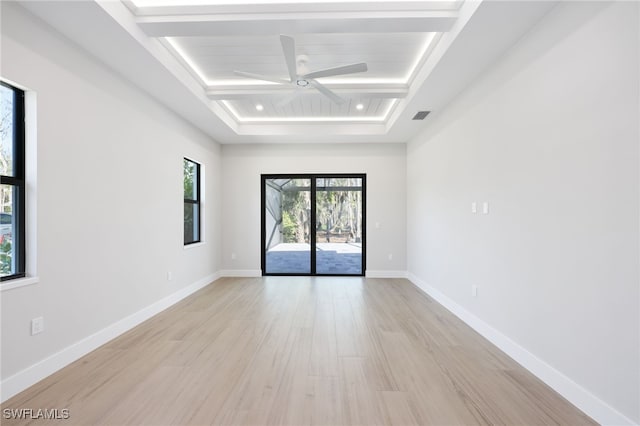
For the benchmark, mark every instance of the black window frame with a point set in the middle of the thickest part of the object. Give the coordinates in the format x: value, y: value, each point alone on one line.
x: 18, y: 182
x: 197, y: 201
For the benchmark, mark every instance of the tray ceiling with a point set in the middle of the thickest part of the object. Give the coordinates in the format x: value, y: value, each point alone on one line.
x: 392, y: 59
x: 214, y: 41
x: 419, y: 54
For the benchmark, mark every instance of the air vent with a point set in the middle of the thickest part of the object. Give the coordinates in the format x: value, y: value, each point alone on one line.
x: 421, y: 115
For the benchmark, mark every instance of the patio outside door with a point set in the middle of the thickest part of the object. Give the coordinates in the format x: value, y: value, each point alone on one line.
x: 313, y: 224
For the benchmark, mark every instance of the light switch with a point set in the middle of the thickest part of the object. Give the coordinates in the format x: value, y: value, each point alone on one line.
x: 474, y: 207
x: 37, y: 326
x: 485, y: 207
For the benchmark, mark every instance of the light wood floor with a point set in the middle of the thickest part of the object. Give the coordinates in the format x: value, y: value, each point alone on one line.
x: 300, y: 351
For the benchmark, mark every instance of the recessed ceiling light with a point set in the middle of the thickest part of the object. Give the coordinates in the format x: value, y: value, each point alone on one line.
x: 359, y: 107
x: 259, y: 107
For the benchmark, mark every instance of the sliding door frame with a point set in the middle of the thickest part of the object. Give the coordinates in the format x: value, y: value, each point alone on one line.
x: 312, y: 228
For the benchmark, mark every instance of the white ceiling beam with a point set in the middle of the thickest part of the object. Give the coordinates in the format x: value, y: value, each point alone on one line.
x: 269, y: 24
x: 251, y: 94
x: 147, y: 8
x: 362, y: 91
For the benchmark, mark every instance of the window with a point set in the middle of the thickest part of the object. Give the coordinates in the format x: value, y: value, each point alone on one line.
x: 12, y: 189
x: 191, y: 202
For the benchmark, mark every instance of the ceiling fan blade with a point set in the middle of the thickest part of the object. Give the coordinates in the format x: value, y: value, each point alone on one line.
x: 289, y: 50
x: 346, y: 69
x: 288, y: 99
x: 261, y: 77
x: 325, y: 91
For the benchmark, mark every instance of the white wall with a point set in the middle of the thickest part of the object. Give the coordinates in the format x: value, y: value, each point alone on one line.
x: 384, y: 165
x: 109, y: 208
x: 549, y: 137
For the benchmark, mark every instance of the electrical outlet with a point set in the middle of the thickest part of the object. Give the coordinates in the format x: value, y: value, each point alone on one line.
x: 474, y: 290
x: 37, y: 325
x: 390, y: 256
x: 169, y: 276
x: 474, y: 207
x: 485, y: 207
x: 233, y: 256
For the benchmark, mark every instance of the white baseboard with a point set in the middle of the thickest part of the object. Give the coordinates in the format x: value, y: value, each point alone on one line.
x: 241, y: 273
x: 386, y: 274
x: 594, y: 407
x: 31, y: 375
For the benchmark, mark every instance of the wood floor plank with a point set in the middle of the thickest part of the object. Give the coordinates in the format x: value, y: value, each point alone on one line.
x: 349, y: 337
x: 324, y: 352
x: 376, y: 360
x: 219, y: 369
x: 361, y: 402
x: 327, y: 407
x: 399, y: 409
x: 299, y: 351
x: 291, y: 405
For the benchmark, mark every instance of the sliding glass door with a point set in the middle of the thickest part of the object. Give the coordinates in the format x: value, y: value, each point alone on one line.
x: 339, y: 226
x: 313, y: 224
x: 286, y: 224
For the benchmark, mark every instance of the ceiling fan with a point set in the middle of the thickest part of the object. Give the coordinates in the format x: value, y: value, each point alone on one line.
x: 305, y: 79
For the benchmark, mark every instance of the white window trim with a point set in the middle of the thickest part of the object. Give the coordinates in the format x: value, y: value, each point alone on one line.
x: 194, y: 245
x: 19, y: 282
